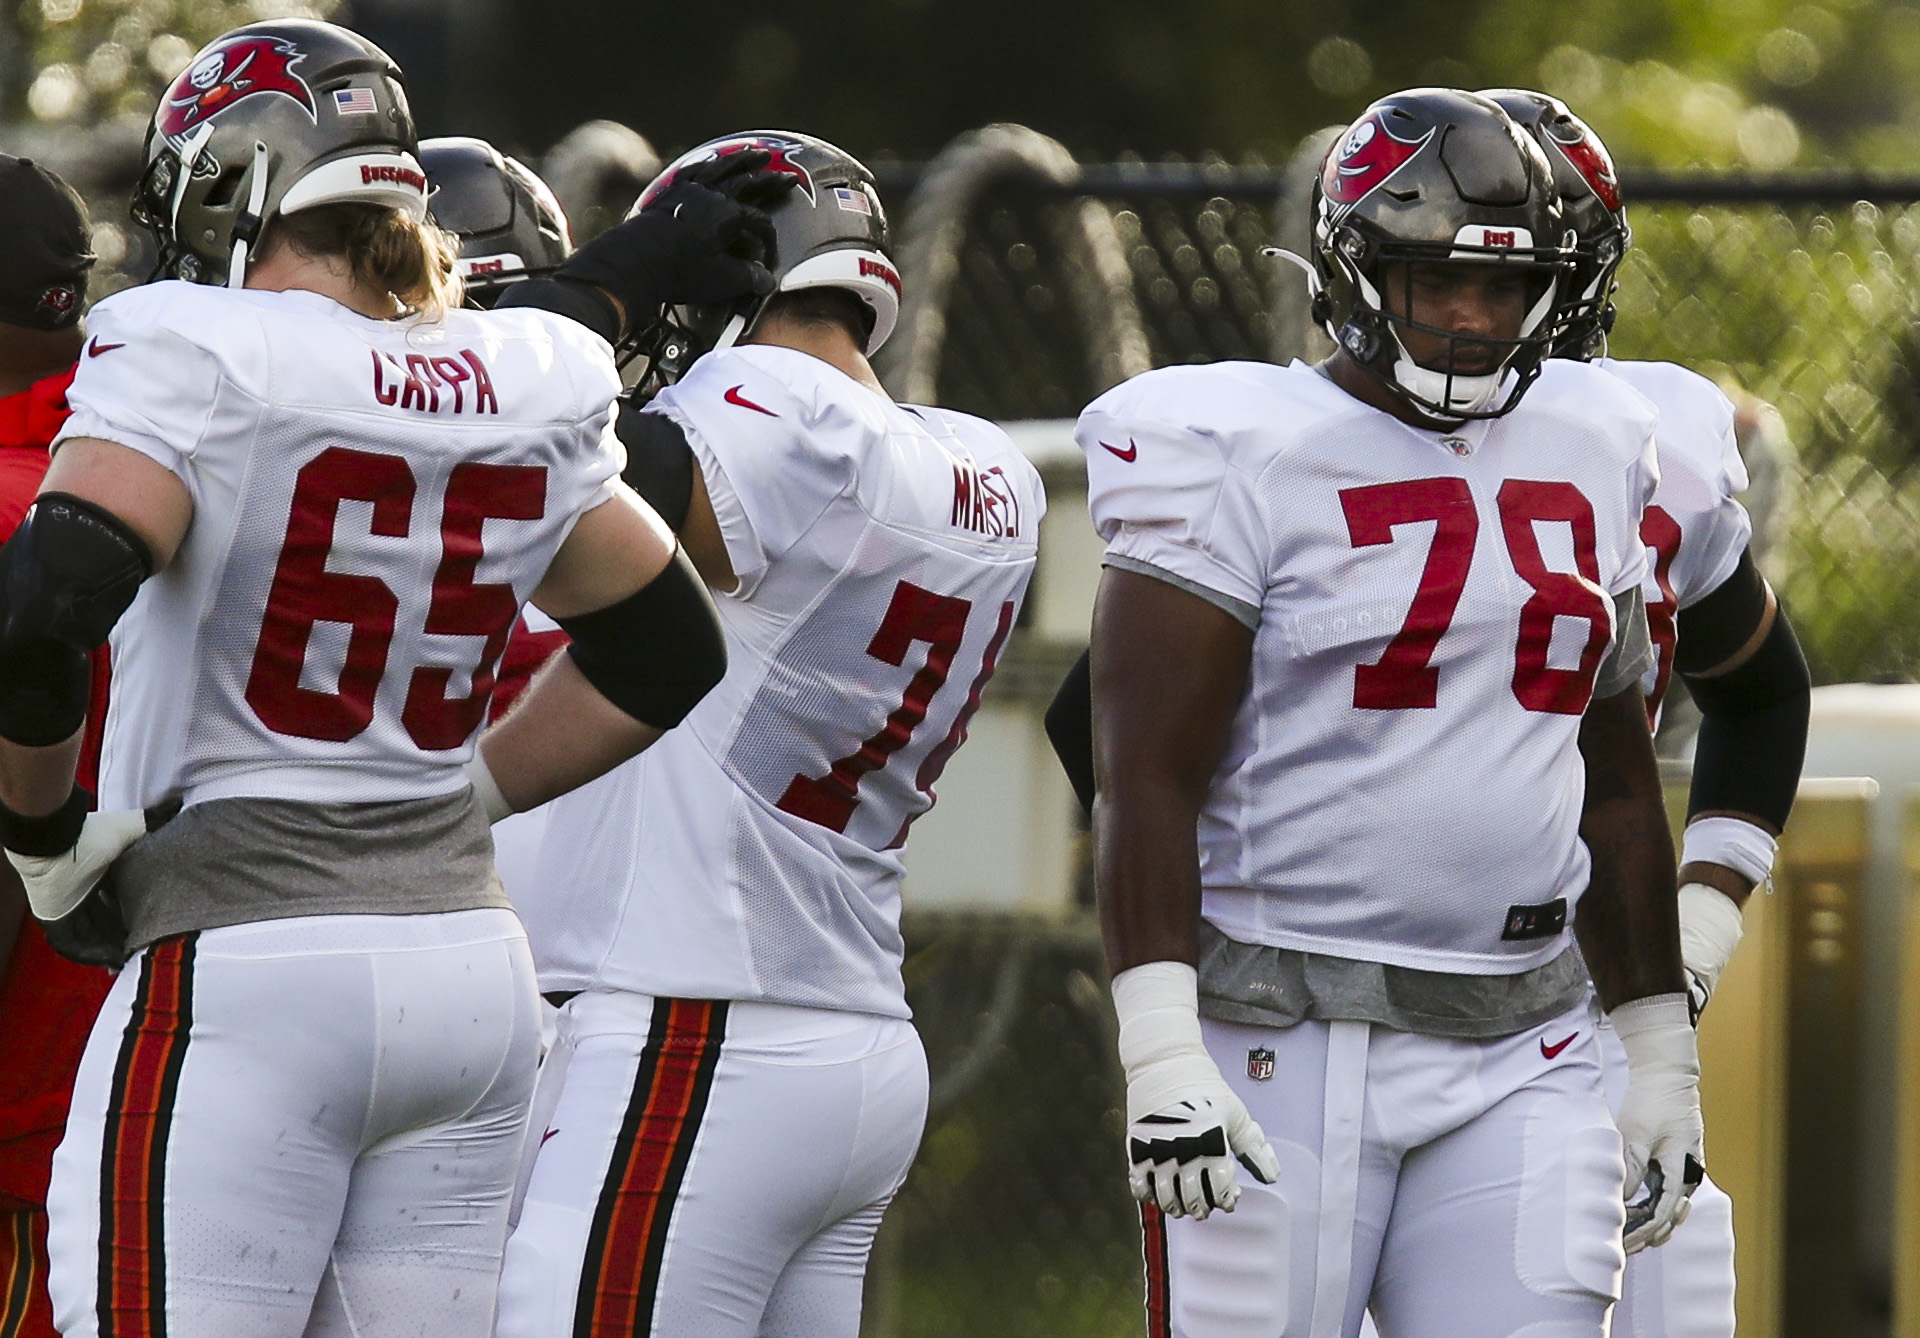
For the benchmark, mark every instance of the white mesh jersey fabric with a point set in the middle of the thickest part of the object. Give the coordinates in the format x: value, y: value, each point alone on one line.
x: 1694, y: 530
x: 1403, y: 772
x: 373, y: 500
x: 754, y: 852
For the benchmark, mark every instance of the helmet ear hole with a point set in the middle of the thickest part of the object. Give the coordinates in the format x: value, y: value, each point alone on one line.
x: 222, y: 193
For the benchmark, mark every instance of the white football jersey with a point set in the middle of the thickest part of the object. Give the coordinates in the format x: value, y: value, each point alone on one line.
x: 373, y: 501
x: 1403, y: 782
x: 754, y: 853
x: 1694, y: 530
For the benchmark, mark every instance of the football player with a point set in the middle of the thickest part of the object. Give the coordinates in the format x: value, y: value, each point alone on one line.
x: 737, y: 1092
x: 307, y: 499
x: 46, y: 1002
x: 1371, y: 745
x: 1715, y: 621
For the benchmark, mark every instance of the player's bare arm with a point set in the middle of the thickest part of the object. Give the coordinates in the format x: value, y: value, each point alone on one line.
x: 617, y: 581
x: 1629, y: 932
x: 1169, y: 670
x: 1629, y: 922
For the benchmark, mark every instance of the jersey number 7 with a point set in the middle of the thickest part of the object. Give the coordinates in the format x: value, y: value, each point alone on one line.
x: 1403, y: 678
x: 913, y: 615
x: 304, y: 592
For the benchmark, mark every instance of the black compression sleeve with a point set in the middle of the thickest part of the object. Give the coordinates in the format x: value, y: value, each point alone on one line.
x: 1753, y: 731
x: 67, y: 574
x: 659, y: 463
x: 1714, y: 630
x: 1070, y: 728
x: 576, y: 301
x: 657, y: 652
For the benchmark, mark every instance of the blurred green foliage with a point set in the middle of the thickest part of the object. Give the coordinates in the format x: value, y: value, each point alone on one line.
x: 1755, y: 83
x: 95, y: 60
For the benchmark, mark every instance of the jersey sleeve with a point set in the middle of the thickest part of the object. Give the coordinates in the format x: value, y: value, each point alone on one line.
x: 1712, y: 542
x: 142, y: 382
x: 770, y: 470
x: 593, y: 462
x: 1630, y: 569
x: 1168, y: 496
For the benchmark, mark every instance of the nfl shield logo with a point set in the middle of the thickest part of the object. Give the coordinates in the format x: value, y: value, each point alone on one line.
x: 1259, y: 1063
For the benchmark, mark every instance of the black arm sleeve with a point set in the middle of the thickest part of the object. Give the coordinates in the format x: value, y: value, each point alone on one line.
x: 660, y: 464
x: 1070, y: 728
x: 576, y: 301
x: 66, y: 576
x: 1753, y: 728
x: 657, y: 652
x: 1713, y: 630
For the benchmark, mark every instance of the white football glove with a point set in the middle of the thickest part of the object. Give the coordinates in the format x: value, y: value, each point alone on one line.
x: 56, y: 884
x: 1659, y: 1120
x: 1185, y: 1126
x: 1710, y: 929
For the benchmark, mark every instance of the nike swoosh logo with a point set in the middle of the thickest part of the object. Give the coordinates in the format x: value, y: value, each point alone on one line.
x: 735, y: 397
x: 1553, y: 1051
x: 548, y: 1134
x: 95, y: 348
x: 1129, y: 455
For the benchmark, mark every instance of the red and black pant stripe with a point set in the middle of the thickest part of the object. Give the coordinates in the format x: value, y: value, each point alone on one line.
x: 132, y: 1298
x: 24, y: 1308
x: 628, y: 1242
x: 1153, y: 1239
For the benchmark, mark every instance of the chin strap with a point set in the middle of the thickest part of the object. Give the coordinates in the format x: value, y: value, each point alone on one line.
x: 736, y: 326
x: 189, y: 157
x: 246, y: 228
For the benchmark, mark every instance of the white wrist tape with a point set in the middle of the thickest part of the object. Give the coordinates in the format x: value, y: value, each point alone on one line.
x: 1710, y: 929
x: 1732, y: 843
x: 1160, y: 1045
x: 486, y: 790
x: 1657, y: 1032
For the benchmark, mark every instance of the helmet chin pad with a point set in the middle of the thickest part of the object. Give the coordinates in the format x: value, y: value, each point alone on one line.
x: 1446, y: 390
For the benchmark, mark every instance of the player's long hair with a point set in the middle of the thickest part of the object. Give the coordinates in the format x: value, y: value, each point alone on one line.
x: 385, y: 249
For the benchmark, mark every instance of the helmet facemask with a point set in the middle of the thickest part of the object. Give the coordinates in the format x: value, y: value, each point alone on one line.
x: 1372, y: 332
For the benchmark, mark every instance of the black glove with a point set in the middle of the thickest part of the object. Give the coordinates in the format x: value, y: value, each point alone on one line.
x: 704, y: 239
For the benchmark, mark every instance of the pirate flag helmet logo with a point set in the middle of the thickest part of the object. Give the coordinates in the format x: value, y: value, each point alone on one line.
x: 237, y: 67
x: 784, y: 155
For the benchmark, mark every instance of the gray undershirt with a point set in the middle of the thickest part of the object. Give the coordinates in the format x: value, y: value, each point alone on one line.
x: 1280, y: 987
x: 242, y: 860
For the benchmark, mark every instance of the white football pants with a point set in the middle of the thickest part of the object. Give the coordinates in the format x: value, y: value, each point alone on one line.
x: 1470, y: 1189
x: 304, y: 1126
x: 1685, y: 1288
x: 706, y: 1169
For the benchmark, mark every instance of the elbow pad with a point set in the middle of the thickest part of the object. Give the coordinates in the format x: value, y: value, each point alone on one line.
x: 66, y: 576
x: 1069, y: 723
x: 1753, y: 731
x: 657, y: 652
x: 659, y: 463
